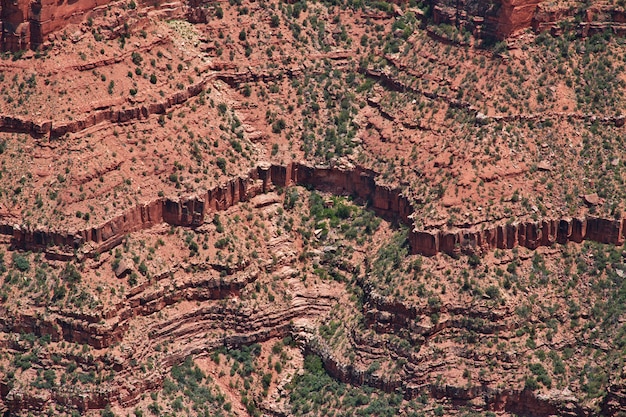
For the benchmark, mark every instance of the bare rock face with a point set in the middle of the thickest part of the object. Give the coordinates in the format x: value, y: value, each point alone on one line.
x: 19, y: 125
x: 25, y: 24
x: 516, y: 15
x: 605, y: 230
x: 188, y: 212
x: 544, y: 166
x: 527, y: 234
x: 500, y: 18
x: 426, y: 243
x: 360, y: 183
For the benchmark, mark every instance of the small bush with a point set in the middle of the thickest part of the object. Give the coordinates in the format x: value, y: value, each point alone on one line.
x: 275, y: 21
x: 278, y: 126
x: 221, y: 164
x: 21, y: 262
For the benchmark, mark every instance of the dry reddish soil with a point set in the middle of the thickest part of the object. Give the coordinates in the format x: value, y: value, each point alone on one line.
x: 312, y: 208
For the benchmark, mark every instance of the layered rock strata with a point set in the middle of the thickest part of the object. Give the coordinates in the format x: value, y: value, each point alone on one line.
x: 28, y: 24
x: 530, y: 234
x: 25, y: 24
x: 244, y: 327
x: 46, y: 129
x: 522, y: 402
x: 381, y: 313
x: 386, y: 201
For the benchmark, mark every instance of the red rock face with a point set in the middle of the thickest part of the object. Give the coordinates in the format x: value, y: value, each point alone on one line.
x: 530, y: 235
x: 516, y: 15
x: 358, y: 182
x: 25, y: 24
x: 506, y: 18
x: 500, y: 19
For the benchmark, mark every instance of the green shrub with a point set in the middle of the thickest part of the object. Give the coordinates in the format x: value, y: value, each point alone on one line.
x: 278, y: 126
x: 274, y: 21
x: 21, y: 262
x: 221, y: 164
x: 136, y: 58
x: 70, y: 274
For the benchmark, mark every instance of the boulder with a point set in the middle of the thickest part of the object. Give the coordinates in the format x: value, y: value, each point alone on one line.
x: 544, y: 166
x: 124, y: 267
x: 592, y: 199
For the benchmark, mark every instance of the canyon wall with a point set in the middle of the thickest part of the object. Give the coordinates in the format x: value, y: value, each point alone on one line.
x: 522, y: 402
x: 189, y: 211
x: 361, y: 183
x: 529, y: 234
x: 496, y: 18
x: 501, y: 19
x: 583, y: 21
x: 25, y: 23
x: 385, y: 313
x: 515, y: 16
x: 47, y: 130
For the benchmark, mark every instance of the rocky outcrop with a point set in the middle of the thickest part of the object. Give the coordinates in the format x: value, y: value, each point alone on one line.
x: 188, y: 211
x: 25, y: 24
x: 515, y: 15
x: 389, y: 315
x: 501, y: 19
x: 614, y: 402
x: 530, y: 235
x: 16, y: 124
x: 361, y: 183
x: 47, y: 129
x: 125, y: 115
x: 85, y: 328
x: 586, y: 21
x: 520, y: 402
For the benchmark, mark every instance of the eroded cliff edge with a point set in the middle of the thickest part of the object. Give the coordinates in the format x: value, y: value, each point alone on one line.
x: 360, y: 183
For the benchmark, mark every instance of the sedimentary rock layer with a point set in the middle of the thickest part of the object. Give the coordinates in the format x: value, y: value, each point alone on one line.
x: 386, y: 201
x: 529, y: 234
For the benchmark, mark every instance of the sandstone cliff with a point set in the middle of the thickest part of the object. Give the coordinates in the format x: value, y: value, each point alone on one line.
x: 386, y: 201
x: 527, y: 234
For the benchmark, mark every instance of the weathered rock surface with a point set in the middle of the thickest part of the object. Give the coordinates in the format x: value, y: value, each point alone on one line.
x: 526, y: 234
x: 26, y: 25
x: 384, y: 314
x: 361, y: 183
